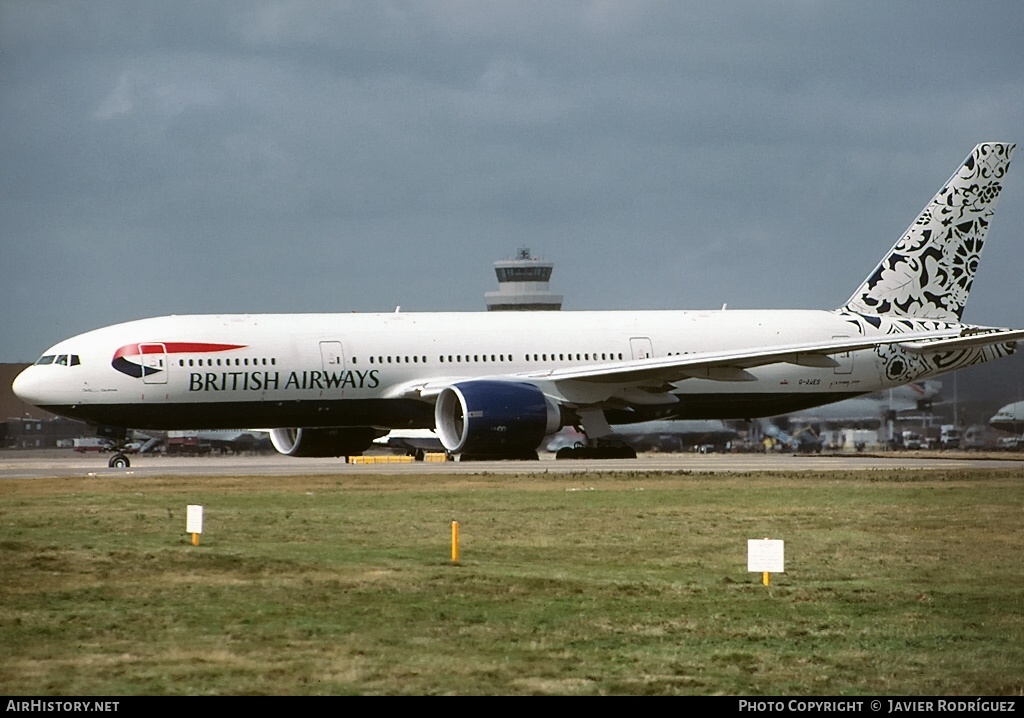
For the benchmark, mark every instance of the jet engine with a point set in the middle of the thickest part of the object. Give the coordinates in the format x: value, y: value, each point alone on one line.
x: 495, y: 418
x: 324, y: 442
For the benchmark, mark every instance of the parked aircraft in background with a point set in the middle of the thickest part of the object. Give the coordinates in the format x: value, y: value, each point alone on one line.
x: 234, y: 441
x: 663, y: 435
x: 811, y: 430
x: 873, y: 409
x: 797, y: 431
x: 494, y: 384
x: 1009, y: 418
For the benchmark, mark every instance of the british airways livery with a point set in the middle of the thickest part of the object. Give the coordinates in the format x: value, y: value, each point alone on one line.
x: 494, y: 384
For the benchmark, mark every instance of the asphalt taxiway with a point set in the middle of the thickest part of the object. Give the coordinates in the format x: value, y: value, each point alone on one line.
x: 66, y: 463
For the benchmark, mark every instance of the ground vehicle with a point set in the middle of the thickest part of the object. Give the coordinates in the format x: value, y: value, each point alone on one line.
x: 912, y: 440
x: 949, y: 437
x: 91, y: 443
x: 187, y: 445
x: 978, y: 438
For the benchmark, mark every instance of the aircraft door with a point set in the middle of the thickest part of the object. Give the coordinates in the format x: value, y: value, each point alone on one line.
x: 845, y: 360
x: 333, y: 362
x: 641, y: 347
x: 154, y: 363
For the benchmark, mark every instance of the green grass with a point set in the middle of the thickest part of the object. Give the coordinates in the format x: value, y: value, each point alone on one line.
x: 896, y: 583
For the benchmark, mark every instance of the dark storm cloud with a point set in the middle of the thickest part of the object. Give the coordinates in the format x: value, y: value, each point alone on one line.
x: 277, y: 156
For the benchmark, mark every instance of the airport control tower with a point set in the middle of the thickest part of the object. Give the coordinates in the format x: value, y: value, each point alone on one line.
x: 523, y: 285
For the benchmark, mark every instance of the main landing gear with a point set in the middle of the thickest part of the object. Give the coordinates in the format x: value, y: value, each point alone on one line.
x: 596, y: 451
x: 599, y: 443
x: 119, y: 461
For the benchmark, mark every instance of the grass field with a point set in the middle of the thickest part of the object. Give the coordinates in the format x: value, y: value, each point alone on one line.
x: 905, y: 583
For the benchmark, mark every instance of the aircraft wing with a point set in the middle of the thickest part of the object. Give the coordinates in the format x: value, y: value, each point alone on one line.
x: 728, y: 365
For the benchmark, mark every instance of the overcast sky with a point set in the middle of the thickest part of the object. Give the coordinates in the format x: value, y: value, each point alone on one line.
x: 206, y: 157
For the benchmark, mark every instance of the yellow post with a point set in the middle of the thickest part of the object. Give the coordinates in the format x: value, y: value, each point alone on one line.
x: 195, y: 539
x: 455, y: 541
x: 764, y: 578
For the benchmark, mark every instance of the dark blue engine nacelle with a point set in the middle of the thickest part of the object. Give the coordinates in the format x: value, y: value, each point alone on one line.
x: 494, y: 417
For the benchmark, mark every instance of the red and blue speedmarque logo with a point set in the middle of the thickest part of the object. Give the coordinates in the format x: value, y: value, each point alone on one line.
x: 131, y: 358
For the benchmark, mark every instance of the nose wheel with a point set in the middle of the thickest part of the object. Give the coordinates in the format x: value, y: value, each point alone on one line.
x: 119, y: 461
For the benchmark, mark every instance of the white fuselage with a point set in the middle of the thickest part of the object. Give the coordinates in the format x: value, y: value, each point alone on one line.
x: 226, y: 371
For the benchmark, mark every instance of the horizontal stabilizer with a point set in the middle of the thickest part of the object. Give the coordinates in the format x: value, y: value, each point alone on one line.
x: 965, y: 341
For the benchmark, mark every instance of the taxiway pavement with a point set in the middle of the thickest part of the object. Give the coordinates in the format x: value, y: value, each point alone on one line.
x: 66, y: 463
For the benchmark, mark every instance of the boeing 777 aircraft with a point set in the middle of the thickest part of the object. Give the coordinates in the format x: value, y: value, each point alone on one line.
x: 495, y: 384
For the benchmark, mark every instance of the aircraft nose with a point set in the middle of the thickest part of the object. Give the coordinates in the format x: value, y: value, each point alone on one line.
x: 28, y: 387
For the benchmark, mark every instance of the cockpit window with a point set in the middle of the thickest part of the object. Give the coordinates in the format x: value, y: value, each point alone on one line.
x: 61, y: 359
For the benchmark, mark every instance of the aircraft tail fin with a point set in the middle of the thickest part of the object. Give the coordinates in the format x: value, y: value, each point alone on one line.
x: 928, y: 273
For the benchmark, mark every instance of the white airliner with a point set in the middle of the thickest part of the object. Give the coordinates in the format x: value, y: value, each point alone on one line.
x: 496, y: 383
x: 871, y: 409
x: 1009, y: 418
x: 656, y: 435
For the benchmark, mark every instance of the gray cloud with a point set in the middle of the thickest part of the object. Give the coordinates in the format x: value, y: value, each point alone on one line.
x: 290, y: 156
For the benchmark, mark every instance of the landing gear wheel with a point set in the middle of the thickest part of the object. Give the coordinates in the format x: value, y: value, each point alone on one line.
x: 119, y: 461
